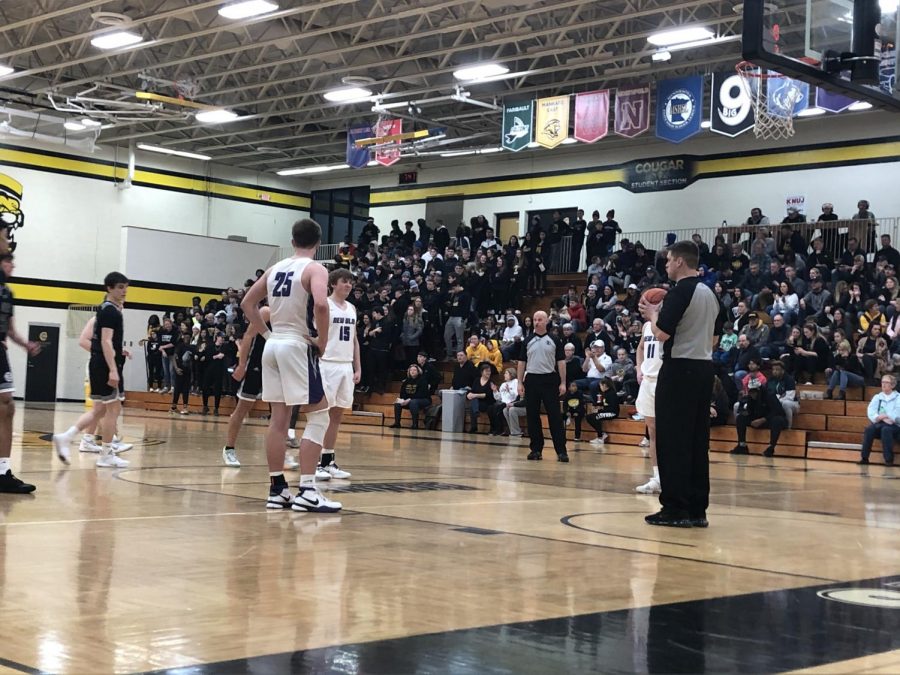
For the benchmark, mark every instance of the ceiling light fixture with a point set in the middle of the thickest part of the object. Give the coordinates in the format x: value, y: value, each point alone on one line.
x: 570, y: 141
x: 88, y: 122
x: 348, y: 95
x: 811, y: 112
x: 322, y: 168
x: 705, y: 124
x: 217, y: 116
x: 246, y: 9
x: 679, y: 35
x: 117, y: 39
x: 859, y: 105
x: 479, y: 72
x: 661, y: 55
x: 6, y: 70
x: 72, y: 125
x: 170, y: 151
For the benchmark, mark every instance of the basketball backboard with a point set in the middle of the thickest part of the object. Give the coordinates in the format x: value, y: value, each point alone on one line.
x: 813, y: 41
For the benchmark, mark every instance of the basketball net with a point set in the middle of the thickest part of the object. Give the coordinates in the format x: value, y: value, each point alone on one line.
x: 774, y: 117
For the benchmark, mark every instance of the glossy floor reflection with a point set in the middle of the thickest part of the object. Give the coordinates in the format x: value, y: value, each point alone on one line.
x: 453, y: 554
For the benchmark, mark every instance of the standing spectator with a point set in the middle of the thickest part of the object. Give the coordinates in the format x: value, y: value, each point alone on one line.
x: 458, y: 305
x: 610, y: 228
x: 411, y: 333
x: 578, y: 234
x: 183, y: 364
x: 167, y: 339
x: 379, y: 349
x: 884, y: 414
x: 757, y: 217
x: 759, y: 409
x: 214, y: 373
x: 154, y: 361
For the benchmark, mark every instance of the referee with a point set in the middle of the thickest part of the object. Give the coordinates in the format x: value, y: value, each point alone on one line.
x: 686, y: 325
x: 542, y: 376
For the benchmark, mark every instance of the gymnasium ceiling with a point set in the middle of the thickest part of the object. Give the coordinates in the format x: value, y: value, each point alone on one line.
x: 274, y: 69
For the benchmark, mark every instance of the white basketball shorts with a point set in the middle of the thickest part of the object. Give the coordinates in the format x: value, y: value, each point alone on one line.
x: 646, y: 398
x: 337, y: 379
x: 290, y: 373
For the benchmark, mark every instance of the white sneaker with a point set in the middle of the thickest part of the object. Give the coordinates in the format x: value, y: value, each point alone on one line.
x: 293, y: 442
x: 322, y: 474
x: 637, y: 417
x: 281, y: 500
x: 88, y: 444
x: 645, y: 443
x: 597, y: 441
x: 61, y: 445
x: 111, y: 461
x: 230, y: 457
x: 651, y: 487
x: 118, y: 446
x: 334, y: 471
x: 568, y: 421
x: 290, y: 462
x: 311, y: 499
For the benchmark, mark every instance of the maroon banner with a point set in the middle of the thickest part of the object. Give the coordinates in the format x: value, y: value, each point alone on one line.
x: 591, y: 116
x: 388, y: 153
x: 632, y: 111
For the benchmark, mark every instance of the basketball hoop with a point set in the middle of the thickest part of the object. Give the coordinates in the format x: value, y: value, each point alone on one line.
x: 774, y: 118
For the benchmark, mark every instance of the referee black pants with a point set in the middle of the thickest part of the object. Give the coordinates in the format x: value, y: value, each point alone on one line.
x: 683, y: 393
x: 544, y: 389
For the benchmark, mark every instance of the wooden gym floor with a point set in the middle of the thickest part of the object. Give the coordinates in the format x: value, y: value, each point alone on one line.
x: 453, y: 554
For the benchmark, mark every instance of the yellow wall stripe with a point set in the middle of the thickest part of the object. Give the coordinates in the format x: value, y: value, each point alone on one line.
x: 68, y: 164
x: 800, y: 159
x: 79, y: 296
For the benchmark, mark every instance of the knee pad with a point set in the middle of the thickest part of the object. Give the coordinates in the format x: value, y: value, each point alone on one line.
x: 316, y: 426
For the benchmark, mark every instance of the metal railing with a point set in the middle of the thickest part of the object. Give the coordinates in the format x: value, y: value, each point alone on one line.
x: 326, y: 252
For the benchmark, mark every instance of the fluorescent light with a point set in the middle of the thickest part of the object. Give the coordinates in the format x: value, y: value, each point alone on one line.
x: 661, y: 55
x: 243, y: 10
x: 322, y: 168
x: 348, y: 94
x: 859, y: 105
x: 6, y: 70
x: 121, y: 38
x: 170, y: 151
x: 458, y: 153
x: 811, y: 112
x: 491, y: 151
x: 679, y: 35
x: 72, y: 125
x: 705, y: 124
x: 215, y: 116
x: 88, y: 122
x: 372, y: 162
x: 569, y: 141
x: 480, y: 71
x: 533, y: 144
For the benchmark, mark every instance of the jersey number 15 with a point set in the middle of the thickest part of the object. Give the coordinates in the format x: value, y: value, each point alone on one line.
x: 345, y: 334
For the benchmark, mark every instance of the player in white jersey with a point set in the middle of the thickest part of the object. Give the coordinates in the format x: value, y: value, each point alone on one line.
x: 297, y: 291
x: 649, y: 361
x: 339, y: 365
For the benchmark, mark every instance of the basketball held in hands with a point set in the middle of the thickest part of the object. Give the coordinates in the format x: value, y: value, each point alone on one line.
x: 653, y: 296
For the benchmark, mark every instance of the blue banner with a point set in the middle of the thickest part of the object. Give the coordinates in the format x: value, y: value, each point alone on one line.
x: 357, y: 157
x: 678, y: 108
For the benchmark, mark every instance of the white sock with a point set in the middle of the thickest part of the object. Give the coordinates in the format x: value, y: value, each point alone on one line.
x: 4, y: 465
x: 656, y: 472
x: 292, y: 434
x: 70, y: 433
x: 115, y: 438
x: 307, y: 482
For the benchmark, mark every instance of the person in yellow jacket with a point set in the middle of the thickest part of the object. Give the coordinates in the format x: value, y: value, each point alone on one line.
x: 494, y: 356
x: 476, y: 352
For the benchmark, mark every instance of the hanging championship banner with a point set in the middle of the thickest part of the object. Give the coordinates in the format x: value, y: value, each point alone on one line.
x: 388, y: 153
x: 786, y: 96
x: 678, y: 106
x: 551, y: 121
x: 632, y: 112
x: 591, y: 115
x: 516, y: 133
x: 357, y: 158
x: 731, y: 107
x: 832, y: 102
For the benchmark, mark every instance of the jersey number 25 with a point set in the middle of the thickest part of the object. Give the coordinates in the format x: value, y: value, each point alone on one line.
x: 283, y: 282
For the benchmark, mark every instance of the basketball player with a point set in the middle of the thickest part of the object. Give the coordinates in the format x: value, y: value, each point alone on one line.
x: 297, y: 289
x: 8, y: 481
x: 648, y: 364
x: 339, y: 366
x: 249, y: 373
x: 105, y: 374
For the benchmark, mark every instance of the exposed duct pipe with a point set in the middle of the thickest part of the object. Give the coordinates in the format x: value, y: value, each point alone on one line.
x: 129, y: 177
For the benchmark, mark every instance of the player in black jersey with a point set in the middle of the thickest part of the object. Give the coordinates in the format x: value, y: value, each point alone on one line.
x: 105, y: 373
x: 249, y: 373
x: 8, y: 481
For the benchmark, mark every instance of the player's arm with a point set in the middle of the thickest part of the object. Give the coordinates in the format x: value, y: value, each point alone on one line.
x: 250, y: 304
x: 357, y: 368
x: 318, y: 288
x: 84, y: 340
x: 32, y: 348
x: 109, y: 354
x: 561, y: 366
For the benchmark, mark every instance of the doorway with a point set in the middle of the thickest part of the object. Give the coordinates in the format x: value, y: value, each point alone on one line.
x: 40, y: 377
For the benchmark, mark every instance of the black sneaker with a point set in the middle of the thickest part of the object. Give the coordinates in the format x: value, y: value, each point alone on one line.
x: 9, y: 483
x: 699, y: 521
x: 864, y: 460
x: 769, y: 452
x: 563, y: 457
x: 669, y: 519
x: 535, y: 455
x: 889, y: 462
x: 740, y: 450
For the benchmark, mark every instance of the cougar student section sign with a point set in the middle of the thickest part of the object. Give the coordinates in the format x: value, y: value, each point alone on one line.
x: 659, y: 175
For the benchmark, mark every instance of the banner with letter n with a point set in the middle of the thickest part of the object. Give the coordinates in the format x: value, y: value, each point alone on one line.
x: 678, y: 106
x: 358, y: 158
x: 388, y: 153
x: 591, y: 116
x: 552, y: 121
x: 731, y: 105
x: 517, y: 132
x: 632, y: 112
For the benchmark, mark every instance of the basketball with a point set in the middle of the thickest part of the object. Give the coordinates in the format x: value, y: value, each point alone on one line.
x: 654, y: 296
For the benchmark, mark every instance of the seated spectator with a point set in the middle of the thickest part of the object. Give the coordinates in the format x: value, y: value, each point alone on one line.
x: 813, y: 304
x: 727, y: 343
x: 573, y: 363
x: 884, y: 414
x: 785, y: 389
x: 506, y: 407
x: 511, y: 337
x: 759, y: 409
x: 463, y: 373
x: 573, y: 408
x: 623, y: 375
x: 429, y: 372
x: 577, y: 315
x: 742, y: 356
x: 811, y: 355
x: 607, y: 408
x: 755, y: 330
x: 871, y: 358
x: 776, y: 340
x: 568, y: 335
x: 718, y: 405
x: 753, y: 375
x: 846, y: 371
x: 494, y: 356
x: 475, y: 351
x: 786, y: 303
x: 596, y: 362
x: 480, y: 396
x: 872, y: 315
x: 413, y: 396
x: 757, y: 218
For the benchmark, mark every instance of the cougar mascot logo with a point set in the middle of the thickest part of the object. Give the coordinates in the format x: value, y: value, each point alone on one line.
x: 11, y: 216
